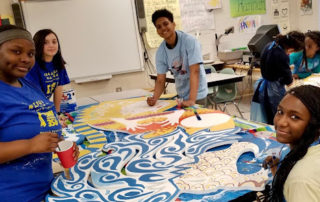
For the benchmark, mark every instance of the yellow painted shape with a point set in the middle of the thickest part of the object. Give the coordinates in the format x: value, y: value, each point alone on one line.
x: 99, y: 146
x: 107, y: 109
x: 168, y: 96
x: 227, y: 125
x: 82, y: 129
x: 98, y: 140
x: 84, y: 152
x: 86, y: 133
x: 94, y: 136
x: 79, y: 124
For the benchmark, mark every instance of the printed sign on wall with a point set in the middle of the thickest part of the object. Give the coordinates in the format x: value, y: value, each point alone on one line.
x: 247, y: 7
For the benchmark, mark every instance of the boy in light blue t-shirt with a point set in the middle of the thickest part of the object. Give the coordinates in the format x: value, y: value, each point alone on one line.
x: 179, y: 53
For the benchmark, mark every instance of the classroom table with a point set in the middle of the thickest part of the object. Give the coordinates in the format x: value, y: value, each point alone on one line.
x: 213, y: 79
x: 120, y: 95
x: 313, y: 79
x: 242, y: 67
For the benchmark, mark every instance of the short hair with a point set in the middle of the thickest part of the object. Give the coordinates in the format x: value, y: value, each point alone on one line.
x: 161, y: 13
x: 39, y: 40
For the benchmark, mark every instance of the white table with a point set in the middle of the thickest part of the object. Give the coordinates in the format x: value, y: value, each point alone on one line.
x: 120, y: 95
x: 213, y: 79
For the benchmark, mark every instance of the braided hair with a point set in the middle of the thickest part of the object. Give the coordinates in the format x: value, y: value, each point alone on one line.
x: 310, y: 96
x: 314, y: 36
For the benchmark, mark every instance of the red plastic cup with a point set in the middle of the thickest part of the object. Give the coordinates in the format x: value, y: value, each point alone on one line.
x: 65, y: 153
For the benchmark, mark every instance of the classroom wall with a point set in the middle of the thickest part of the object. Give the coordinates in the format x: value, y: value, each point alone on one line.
x: 305, y: 22
x: 206, y: 38
x: 5, y: 7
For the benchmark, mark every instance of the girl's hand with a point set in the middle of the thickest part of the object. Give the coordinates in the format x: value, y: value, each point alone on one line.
x: 44, y: 142
x: 75, y: 151
x: 295, y: 76
x: 272, y: 163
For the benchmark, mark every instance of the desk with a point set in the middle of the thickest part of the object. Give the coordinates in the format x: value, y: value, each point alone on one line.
x: 314, y: 80
x: 120, y: 95
x: 213, y: 79
x: 242, y: 67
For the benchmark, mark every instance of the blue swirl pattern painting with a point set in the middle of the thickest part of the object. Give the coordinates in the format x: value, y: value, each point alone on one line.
x: 139, y: 169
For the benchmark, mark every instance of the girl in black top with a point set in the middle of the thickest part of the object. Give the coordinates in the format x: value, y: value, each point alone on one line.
x: 275, y: 70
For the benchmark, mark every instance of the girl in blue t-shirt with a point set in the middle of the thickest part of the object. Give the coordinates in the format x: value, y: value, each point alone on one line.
x: 307, y: 61
x: 29, y: 125
x: 49, y: 72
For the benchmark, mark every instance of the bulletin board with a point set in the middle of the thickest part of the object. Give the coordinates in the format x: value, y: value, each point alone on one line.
x: 98, y: 38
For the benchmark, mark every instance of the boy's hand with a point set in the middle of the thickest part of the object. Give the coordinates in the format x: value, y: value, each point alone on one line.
x: 151, y: 101
x: 188, y: 103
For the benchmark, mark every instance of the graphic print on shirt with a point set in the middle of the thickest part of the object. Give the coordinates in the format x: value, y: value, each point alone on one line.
x: 46, y: 117
x: 52, y: 79
x: 177, y: 66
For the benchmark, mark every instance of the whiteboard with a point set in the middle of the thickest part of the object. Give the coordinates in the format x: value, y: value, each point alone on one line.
x: 98, y: 38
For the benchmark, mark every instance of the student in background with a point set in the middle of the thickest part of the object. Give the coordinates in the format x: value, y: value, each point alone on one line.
x: 49, y: 72
x: 297, y: 123
x: 29, y: 124
x: 275, y: 71
x: 307, y: 61
x: 179, y: 53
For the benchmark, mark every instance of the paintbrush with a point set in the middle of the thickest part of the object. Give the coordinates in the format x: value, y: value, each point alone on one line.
x: 197, y: 115
x: 67, y: 173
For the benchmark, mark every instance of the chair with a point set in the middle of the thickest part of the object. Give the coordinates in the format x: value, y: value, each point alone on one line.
x: 226, y: 94
x: 212, y: 91
x: 210, y: 69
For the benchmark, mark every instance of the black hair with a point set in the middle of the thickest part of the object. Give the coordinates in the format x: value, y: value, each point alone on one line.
x: 293, y: 39
x: 314, y: 36
x: 309, y: 95
x: 161, y: 13
x: 39, y: 40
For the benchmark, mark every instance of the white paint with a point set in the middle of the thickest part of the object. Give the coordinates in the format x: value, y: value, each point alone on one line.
x: 207, y: 120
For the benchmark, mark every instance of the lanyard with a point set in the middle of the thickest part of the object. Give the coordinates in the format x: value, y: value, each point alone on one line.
x: 273, y: 44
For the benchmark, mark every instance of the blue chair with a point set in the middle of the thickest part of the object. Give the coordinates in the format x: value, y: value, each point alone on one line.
x: 226, y: 94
